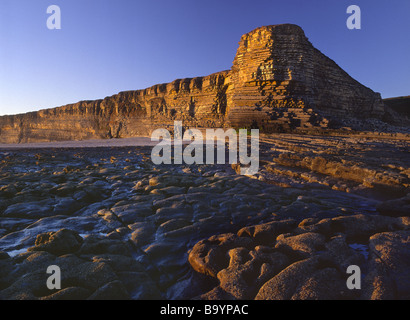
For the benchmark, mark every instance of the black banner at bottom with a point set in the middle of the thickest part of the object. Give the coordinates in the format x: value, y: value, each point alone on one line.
x: 198, y: 309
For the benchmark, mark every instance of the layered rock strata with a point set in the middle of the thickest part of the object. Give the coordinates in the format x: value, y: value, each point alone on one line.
x: 278, y: 82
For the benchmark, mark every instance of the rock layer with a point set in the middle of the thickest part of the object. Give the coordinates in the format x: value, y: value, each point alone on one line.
x: 278, y: 82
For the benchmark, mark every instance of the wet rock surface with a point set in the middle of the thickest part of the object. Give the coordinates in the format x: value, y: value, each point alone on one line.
x: 120, y: 227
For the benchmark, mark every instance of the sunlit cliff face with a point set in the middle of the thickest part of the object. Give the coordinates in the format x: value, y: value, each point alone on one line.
x: 278, y: 81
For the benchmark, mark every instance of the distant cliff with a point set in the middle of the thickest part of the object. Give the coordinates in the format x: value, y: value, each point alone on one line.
x: 278, y: 82
x: 399, y: 105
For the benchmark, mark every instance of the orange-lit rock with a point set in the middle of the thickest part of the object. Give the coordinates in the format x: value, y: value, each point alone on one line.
x: 278, y: 82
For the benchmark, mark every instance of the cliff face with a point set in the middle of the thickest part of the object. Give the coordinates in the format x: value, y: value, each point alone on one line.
x: 198, y: 102
x: 278, y: 71
x: 278, y: 81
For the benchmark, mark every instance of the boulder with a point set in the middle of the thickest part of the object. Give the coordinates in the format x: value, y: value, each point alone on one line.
x: 304, y: 280
x: 266, y: 233
x: 303, y: 245
x: 212, y: 255
x: 389, y: 270
x: 58, y: 243
x: 395, y: 208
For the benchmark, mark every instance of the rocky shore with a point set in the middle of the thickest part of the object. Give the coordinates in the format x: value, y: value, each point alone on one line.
x: 120, y: 227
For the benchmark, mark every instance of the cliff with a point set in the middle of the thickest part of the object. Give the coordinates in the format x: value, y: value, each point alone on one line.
x: 401, y: 105
x: 278, y: 82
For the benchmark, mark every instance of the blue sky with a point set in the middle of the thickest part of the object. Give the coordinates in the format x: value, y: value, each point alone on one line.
x: 105, y: 47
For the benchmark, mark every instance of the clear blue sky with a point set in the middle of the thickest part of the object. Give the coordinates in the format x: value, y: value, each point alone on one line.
x: 105, y: 47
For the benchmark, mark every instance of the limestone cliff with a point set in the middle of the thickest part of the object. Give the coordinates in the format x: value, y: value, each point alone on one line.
x: 277, y: 72
x: 397, y: 110
x: 278, y: 81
